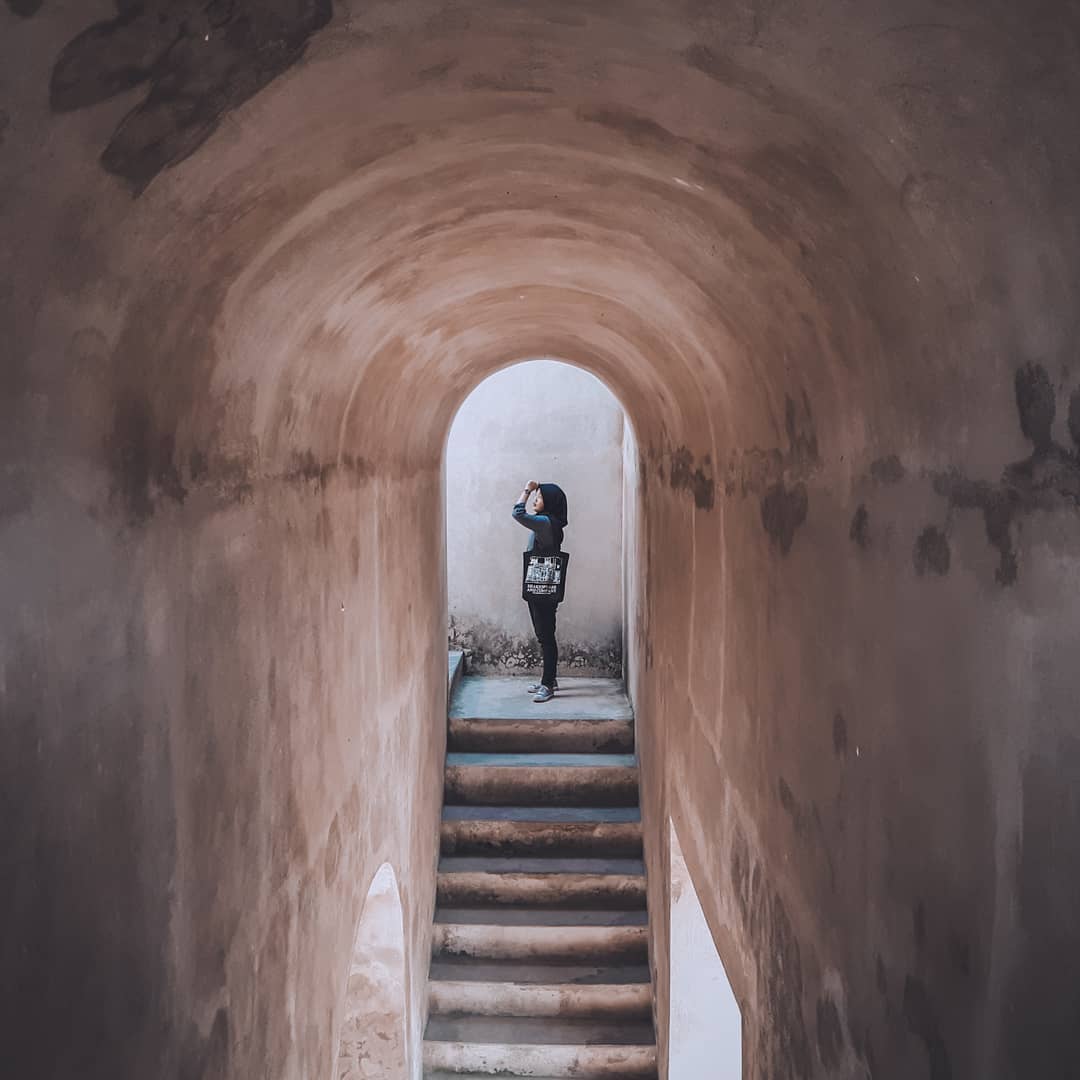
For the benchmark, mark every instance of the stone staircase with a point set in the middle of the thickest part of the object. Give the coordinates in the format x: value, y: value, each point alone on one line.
x: 539, y: 962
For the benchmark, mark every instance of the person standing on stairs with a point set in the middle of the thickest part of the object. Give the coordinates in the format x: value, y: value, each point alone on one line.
x: 546, y: 522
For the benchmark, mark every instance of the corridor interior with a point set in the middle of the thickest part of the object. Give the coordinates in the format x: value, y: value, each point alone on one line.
x: 257, y: 254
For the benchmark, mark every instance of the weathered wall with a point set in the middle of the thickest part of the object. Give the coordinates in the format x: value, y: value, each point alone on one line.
x: 542, y: 421
x: 826, y: 256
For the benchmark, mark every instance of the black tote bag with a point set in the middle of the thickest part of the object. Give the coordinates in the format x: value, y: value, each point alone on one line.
x: 543, y: 577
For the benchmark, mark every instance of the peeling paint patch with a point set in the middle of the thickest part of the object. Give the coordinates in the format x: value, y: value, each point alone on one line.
x: 1048, y: 480
x: 201, y: 60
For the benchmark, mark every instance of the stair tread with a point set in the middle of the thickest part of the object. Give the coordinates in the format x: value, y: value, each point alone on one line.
x: 479, y: 997
x: 541, y: 1031
x: 501, y: 915
x: 526, y: 1059
x: 543, y: 813
x: 539, y: 864
x: 540, y: 759
x: 540, y: 944
x: 549, y: 972
x: 551, y: 838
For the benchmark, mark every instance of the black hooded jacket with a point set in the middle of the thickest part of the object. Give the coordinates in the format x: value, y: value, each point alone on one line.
x: 547, y: 528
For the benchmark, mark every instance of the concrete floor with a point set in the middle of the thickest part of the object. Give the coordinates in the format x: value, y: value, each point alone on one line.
x: 505, y: 698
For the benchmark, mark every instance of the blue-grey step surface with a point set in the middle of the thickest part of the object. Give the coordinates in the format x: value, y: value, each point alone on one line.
x: 505, y: 698
x: 626, y: 761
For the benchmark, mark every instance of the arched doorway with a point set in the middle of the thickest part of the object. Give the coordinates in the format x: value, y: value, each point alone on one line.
x: 373, y: 1041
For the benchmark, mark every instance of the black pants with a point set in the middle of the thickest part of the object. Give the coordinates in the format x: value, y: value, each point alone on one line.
x: 543, y: 620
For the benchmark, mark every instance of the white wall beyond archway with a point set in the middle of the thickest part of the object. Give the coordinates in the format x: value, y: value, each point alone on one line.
x: 374, y: 1044
x: 546, y: 421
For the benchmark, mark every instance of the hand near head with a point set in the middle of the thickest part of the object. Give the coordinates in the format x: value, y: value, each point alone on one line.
x: 531, y: 486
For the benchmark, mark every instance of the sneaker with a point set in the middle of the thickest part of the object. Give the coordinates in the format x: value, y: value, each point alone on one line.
x: 535, y: 688
x: 543, y: 694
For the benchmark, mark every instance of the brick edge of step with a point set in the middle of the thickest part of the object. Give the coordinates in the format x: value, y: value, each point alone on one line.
x: 561, y: 1060
x: 629, y: 1001
x: 542, y: 943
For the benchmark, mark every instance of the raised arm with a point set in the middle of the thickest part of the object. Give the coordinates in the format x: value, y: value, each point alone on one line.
x: 531, y: 521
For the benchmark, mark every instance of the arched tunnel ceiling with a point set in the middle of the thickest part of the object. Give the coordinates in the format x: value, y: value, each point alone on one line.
x: 825, y: 253
x: 704, y: 204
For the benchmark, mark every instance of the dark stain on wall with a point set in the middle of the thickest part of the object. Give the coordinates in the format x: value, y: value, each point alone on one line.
x: 830, y: 1032
x: 918, y: 922
x: 923, y: 1021
x: 839, y: 735
x: 1042, y: 998
x: 200, y: 59
x: 1048, y: 480
x: 332, y: 855
x: 931, y: 554
x: 1036, y: 405
x: 779, y: 475
x: 638, y: 129
x: 960, y: 954
x: 859, y: 531
x: 86, y: 881
x: 141, y: 460
x: 25, y: 8
x: 783, y: 510
x: 887, y: 470
x: 685, y: 474
x: 881, y: 976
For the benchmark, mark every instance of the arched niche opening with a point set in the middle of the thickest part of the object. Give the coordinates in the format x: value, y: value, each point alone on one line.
x: 705, y: 1019
x: 548, y: 421
x: 374, y: 1043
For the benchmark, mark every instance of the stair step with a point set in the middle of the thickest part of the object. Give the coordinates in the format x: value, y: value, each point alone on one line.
x: 544, y: 785
x: 541, y: 864
x: 582, y: 973
x: 476, y: 888
x: 540, y: 916
x: 617, y: 839
x: 560, y: 1061
x: 530, y: 760
x: 544, y: 1030
x: 626, y: 944
x: 630, y: 1001
x: 541, y: 733
x: 612, y: 814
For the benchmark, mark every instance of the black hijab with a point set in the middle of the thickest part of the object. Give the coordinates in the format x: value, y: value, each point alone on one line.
x: 555, y: 510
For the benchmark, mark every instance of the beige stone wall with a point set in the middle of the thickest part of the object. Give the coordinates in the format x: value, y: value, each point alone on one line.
x: 825, y: 255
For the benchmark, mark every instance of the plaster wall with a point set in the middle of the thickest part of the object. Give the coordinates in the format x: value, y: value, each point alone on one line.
x: 254, y: 259
x: 544, y: 421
